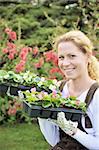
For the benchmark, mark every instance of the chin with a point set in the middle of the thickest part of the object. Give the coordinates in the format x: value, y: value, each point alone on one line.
x: 71, y: 77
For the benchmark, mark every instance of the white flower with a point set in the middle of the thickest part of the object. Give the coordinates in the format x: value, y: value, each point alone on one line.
x: 40, y: 83
x: 33, y: 89
x: 58, y: 83
x: 67, y: 7
x: 20, y: 94
x: 6, y: 76
x: 42, y: 79
x: 54, y: 81
x: 52, y: 87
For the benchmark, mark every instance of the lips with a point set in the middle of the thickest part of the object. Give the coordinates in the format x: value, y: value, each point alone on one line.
x: 68, y: 69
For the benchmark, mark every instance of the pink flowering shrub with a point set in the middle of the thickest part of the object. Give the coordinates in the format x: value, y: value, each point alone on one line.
x: 11, y: 110
x: 20, y: 58
x: 13, y: 53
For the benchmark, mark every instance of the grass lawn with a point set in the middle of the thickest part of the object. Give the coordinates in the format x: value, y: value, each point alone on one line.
x: 22, y: 137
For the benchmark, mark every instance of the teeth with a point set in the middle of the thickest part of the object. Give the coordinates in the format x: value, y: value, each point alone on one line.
x: 68, y: 69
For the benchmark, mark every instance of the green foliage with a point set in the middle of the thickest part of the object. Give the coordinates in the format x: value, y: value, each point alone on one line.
x: 36, y: 21
x: 26, y: 79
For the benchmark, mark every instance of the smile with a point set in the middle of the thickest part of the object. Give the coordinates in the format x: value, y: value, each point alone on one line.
x: 69, y: 69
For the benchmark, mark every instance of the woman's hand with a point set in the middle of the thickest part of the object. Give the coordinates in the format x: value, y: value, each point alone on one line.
x: 67, y: 126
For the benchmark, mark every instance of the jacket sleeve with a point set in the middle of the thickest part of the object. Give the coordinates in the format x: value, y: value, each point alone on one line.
x: 50, y: 131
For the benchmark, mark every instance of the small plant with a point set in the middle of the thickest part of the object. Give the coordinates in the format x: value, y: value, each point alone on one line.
x: 28, y: 79
x: 54, y: 99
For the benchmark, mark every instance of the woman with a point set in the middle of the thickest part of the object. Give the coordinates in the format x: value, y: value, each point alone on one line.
x: 81, y: 69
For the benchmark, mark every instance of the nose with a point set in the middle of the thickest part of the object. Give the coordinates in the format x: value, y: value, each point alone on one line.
x: 66, y: 62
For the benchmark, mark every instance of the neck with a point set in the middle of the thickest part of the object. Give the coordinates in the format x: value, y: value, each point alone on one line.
x: 78, y: 86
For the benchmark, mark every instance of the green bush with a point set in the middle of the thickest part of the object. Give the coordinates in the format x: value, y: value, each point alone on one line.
x: 36, y: 21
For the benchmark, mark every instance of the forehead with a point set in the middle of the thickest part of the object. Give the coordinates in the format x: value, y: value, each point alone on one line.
x: 68, y: 47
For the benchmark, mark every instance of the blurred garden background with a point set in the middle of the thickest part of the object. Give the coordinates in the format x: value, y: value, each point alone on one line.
x: 28, y: 29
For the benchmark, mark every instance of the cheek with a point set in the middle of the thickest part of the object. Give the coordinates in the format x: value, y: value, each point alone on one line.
x: 59, y: 63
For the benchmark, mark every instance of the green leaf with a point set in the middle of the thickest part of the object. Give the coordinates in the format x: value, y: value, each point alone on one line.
x: 46, y: 104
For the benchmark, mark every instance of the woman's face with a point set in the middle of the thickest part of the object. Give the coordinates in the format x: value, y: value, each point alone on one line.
x: 71, y: 60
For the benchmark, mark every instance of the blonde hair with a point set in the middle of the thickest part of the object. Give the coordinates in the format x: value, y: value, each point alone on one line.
x: 83, y: 42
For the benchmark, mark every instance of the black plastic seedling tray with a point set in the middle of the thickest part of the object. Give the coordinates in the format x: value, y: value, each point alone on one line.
x: 38, y: 111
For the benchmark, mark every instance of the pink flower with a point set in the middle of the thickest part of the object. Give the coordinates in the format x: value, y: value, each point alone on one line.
x: 55, y: 60
x: 13, y: 51
x: 7, y: 30
x: 29, y: 49
x: 33, y: 89
x: 52, y: 77
x: 18, y: 105
x: 25, y: 50
x: 54, y: 93
x: 77, y: 102
x: 20, y: 67
x: 45, y: 93
x: 48, y: 55
x: 23, y: 56
x: 12, y: 111
x: 40, y: 63
x: 40, y: 96
x: 51, y: 56
x: 11, y: 56
x: 12, y: 35
x: 35, y: 51
x: 5, y: 51
x: 54, y: 70
x: 11, y: 45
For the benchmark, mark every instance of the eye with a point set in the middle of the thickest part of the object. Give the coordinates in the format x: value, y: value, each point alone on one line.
x: 72, y: 56
x: 61, y: 57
